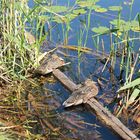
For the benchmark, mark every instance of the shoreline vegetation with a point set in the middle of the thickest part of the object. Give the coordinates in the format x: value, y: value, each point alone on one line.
x: 24, y: 31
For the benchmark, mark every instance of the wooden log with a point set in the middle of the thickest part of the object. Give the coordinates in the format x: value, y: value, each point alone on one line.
x: 104, y: 115
x: 110, y: 120
x: 49, y: 63
x: 64, y: 80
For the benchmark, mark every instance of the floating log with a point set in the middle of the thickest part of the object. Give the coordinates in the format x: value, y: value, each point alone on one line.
x: 104, y: 115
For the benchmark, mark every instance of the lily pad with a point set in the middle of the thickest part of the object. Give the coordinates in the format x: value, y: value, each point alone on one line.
x: 126, y: 25
x: 115, y: 8
x: 135, y: 26
x: 79, y: 11
x: 67, y: 18
x: 87, y: 3
x: 100, y: 30
x: 103, y: 30
x: 98, y: 8
x: 115, y: 22
x: 54, y: 9
x: 121, y: 24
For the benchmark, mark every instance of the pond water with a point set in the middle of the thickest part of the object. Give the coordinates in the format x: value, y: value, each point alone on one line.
x: 86, y: 66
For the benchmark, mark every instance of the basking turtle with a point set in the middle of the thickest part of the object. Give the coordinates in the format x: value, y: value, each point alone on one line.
x: 82, y: 93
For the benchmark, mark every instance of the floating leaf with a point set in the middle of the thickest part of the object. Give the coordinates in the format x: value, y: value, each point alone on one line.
x: 135, y: 26
x: 70, y: 17
x: 121, y: 24
x: 98, y: 8
x: 66, y: 19
x: 54, y: 9
x: 134, y: 95
x: 79, y: 11
x: 115, y: 8
x: 94, y: 7
x: 127, y: 2
x: 87, y: 3
x: 58, y: 9
x: 126, y: 25
x: 131, y: 84
x: 58, y: 19
x: 103, y: 30
x: 115, y: 22
x: 100, y: 30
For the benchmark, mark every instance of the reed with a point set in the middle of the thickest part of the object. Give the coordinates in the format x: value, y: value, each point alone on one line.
x: 22, y: 31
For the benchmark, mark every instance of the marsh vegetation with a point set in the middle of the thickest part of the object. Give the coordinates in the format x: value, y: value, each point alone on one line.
x: 101, y: 40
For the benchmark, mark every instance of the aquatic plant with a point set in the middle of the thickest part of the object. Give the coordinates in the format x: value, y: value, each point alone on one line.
x: 122, y: 42
x: 23, y: 31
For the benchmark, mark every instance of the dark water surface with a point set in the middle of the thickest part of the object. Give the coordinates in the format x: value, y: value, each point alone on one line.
x: 87, y: 67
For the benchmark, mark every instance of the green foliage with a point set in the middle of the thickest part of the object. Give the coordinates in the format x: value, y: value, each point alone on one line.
x: 19, y: 48
x: 132, y: 84
x: 91, y: 4
x: 134, y: 95
x: 135, y: 86
x: 125, y: 26
x: 5, y: 136
x: 101, y: 30
x: 52, y: 9
x: 115, y: 8
x: 86, y: 3
x: 99, y: 9
x: 79, y: 11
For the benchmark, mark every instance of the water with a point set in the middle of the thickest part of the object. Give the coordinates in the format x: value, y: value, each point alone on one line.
x: 88, y: 67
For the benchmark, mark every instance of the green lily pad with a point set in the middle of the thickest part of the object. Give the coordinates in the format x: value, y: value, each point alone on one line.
x: 87, y: 3
x: 100, y: 30
x: 115, y: 22
x: 54, y: 9
x: 121, y: 24
x: 67, y: 18
x: 79, y: 11
x: 135, y: 26
x: 126, y: 25
x: 100, y: 10
x: 115, y: 8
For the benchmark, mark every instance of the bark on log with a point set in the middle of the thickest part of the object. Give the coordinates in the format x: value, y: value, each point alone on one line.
x: 104, y: 115
x: 64, y: 80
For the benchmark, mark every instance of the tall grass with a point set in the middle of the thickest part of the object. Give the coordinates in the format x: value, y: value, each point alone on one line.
x: 128, y: 65
x: 22, y: 33
x: 14, y: 47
